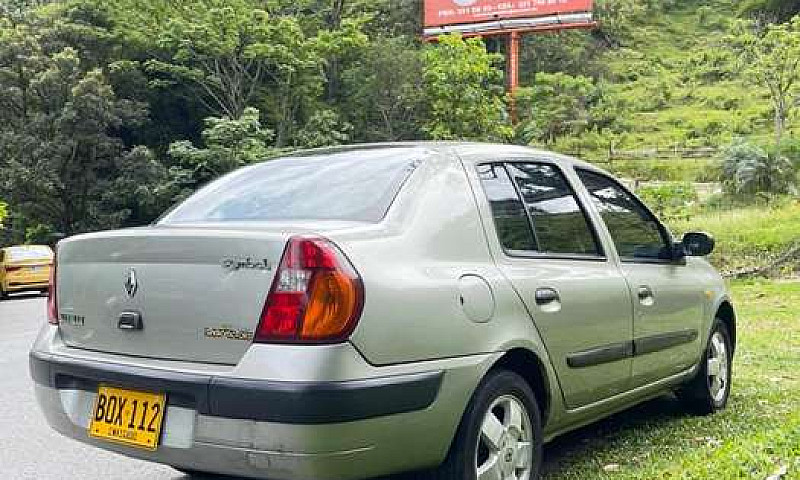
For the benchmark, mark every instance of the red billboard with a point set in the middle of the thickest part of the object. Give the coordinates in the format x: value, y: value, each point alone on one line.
x: 440, y: 13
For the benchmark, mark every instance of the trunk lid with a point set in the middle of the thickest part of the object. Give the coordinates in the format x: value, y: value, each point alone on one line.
x: 198, y: 292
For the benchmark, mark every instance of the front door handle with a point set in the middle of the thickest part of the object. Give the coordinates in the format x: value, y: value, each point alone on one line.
x: 545, y: 296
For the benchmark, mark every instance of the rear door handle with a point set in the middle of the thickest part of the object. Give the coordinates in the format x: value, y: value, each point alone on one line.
x: 646, y: 296
x: 546, y: 295
x: 645, y: 292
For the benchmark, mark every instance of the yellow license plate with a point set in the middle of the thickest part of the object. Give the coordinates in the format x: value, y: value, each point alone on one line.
x: 127, y: 416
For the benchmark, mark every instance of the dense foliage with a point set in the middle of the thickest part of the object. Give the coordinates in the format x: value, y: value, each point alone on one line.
x: 110, y: 111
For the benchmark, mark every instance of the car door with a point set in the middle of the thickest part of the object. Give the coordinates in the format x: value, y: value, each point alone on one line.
x: 668, y: 306
x: 550, y: 252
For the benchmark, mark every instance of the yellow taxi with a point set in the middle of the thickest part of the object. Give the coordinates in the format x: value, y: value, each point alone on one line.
x: 25, y: 268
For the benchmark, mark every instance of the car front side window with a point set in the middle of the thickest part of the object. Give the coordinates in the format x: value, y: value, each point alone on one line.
x: 637, y: 234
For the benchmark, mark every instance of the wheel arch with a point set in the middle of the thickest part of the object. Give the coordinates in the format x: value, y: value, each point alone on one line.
x: 727, y: 316
x: 531, y: 368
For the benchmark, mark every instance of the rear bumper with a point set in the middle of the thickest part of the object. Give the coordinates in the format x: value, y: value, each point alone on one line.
x: 284, y: 412
x: 299, y: 403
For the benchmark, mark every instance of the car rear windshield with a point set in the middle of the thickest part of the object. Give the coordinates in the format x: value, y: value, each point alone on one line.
x: 30, y: 252
x: 352, y: 186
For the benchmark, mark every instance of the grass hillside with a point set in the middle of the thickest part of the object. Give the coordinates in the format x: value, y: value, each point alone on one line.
x: 751, y: 236
x: 679, y: 85
x: 678, y: 94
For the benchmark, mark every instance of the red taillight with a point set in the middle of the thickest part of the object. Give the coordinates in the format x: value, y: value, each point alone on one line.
x: 52, y: 307
x: 316, y: 296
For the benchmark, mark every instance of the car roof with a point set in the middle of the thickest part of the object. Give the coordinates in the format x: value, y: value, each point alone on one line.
x: 469, y: 152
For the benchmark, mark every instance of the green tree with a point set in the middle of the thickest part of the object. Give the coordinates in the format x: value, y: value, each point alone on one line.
x: 464, y: 91
x: 616, y: 19
x: 382, y: 91
x: 772, y: 11
x: 3, y: 212
x: 210, y: 44
x: 772, y: 58
x: 323, y: 129
x: 59, y: 145
x: 557, y: 105
x: 228, y: 144
x: 239, y: 55
x: 18, y: 9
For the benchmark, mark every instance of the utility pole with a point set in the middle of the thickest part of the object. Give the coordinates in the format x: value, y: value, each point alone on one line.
x: 512, y: 71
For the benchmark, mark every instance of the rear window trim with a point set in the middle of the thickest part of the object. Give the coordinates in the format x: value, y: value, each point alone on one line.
x: 601, y: 256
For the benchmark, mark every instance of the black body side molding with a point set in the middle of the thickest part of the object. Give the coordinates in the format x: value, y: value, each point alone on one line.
x: 640, y: 346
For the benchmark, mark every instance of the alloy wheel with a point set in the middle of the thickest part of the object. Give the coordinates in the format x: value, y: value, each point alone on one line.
x: 717, y: 367
x: 505, y: 443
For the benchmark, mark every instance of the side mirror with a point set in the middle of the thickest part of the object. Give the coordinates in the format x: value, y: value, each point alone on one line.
x: 698, y: 244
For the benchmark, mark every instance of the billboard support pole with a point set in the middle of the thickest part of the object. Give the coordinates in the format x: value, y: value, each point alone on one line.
x: 512, y: 67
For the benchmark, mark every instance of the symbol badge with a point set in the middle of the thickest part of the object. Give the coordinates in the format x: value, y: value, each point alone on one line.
x: 131, y: 283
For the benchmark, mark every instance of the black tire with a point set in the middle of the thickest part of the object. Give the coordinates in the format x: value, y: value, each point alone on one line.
x: 701, y: 394
x: 2, y: 294
x: 465, y: 451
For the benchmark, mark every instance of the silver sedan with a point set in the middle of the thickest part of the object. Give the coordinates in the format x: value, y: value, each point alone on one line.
x: 362, y: 311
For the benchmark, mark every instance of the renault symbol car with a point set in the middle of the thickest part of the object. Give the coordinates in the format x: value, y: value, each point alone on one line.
x: 442, y: 308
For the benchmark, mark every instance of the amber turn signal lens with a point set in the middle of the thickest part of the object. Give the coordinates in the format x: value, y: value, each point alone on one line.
x: 331, y: 308
x: 316, y: 296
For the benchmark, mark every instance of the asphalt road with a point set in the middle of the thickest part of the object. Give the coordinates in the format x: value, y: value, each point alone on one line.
x: 28, y: 448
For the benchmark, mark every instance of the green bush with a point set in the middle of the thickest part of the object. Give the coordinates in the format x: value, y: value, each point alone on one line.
x: 790, y: 148
x: 711, y: 173
x: 749, y: 169
x: 670, y: 201
x: 40, y: 234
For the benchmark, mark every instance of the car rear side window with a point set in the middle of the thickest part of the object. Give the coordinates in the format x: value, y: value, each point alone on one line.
x: 510, y: 219
x: 535, y: 210
x: 636, y: 232
x: 357, y: 185
x: 559, y: 223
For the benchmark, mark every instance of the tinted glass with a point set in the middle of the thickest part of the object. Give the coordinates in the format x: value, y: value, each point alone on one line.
x: 356, y: 185
x: 510, y: 220
x: 559, y: 224
x: 636, y: 233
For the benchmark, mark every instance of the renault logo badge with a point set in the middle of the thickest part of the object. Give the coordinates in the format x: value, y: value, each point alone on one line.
x: 131, y: 283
